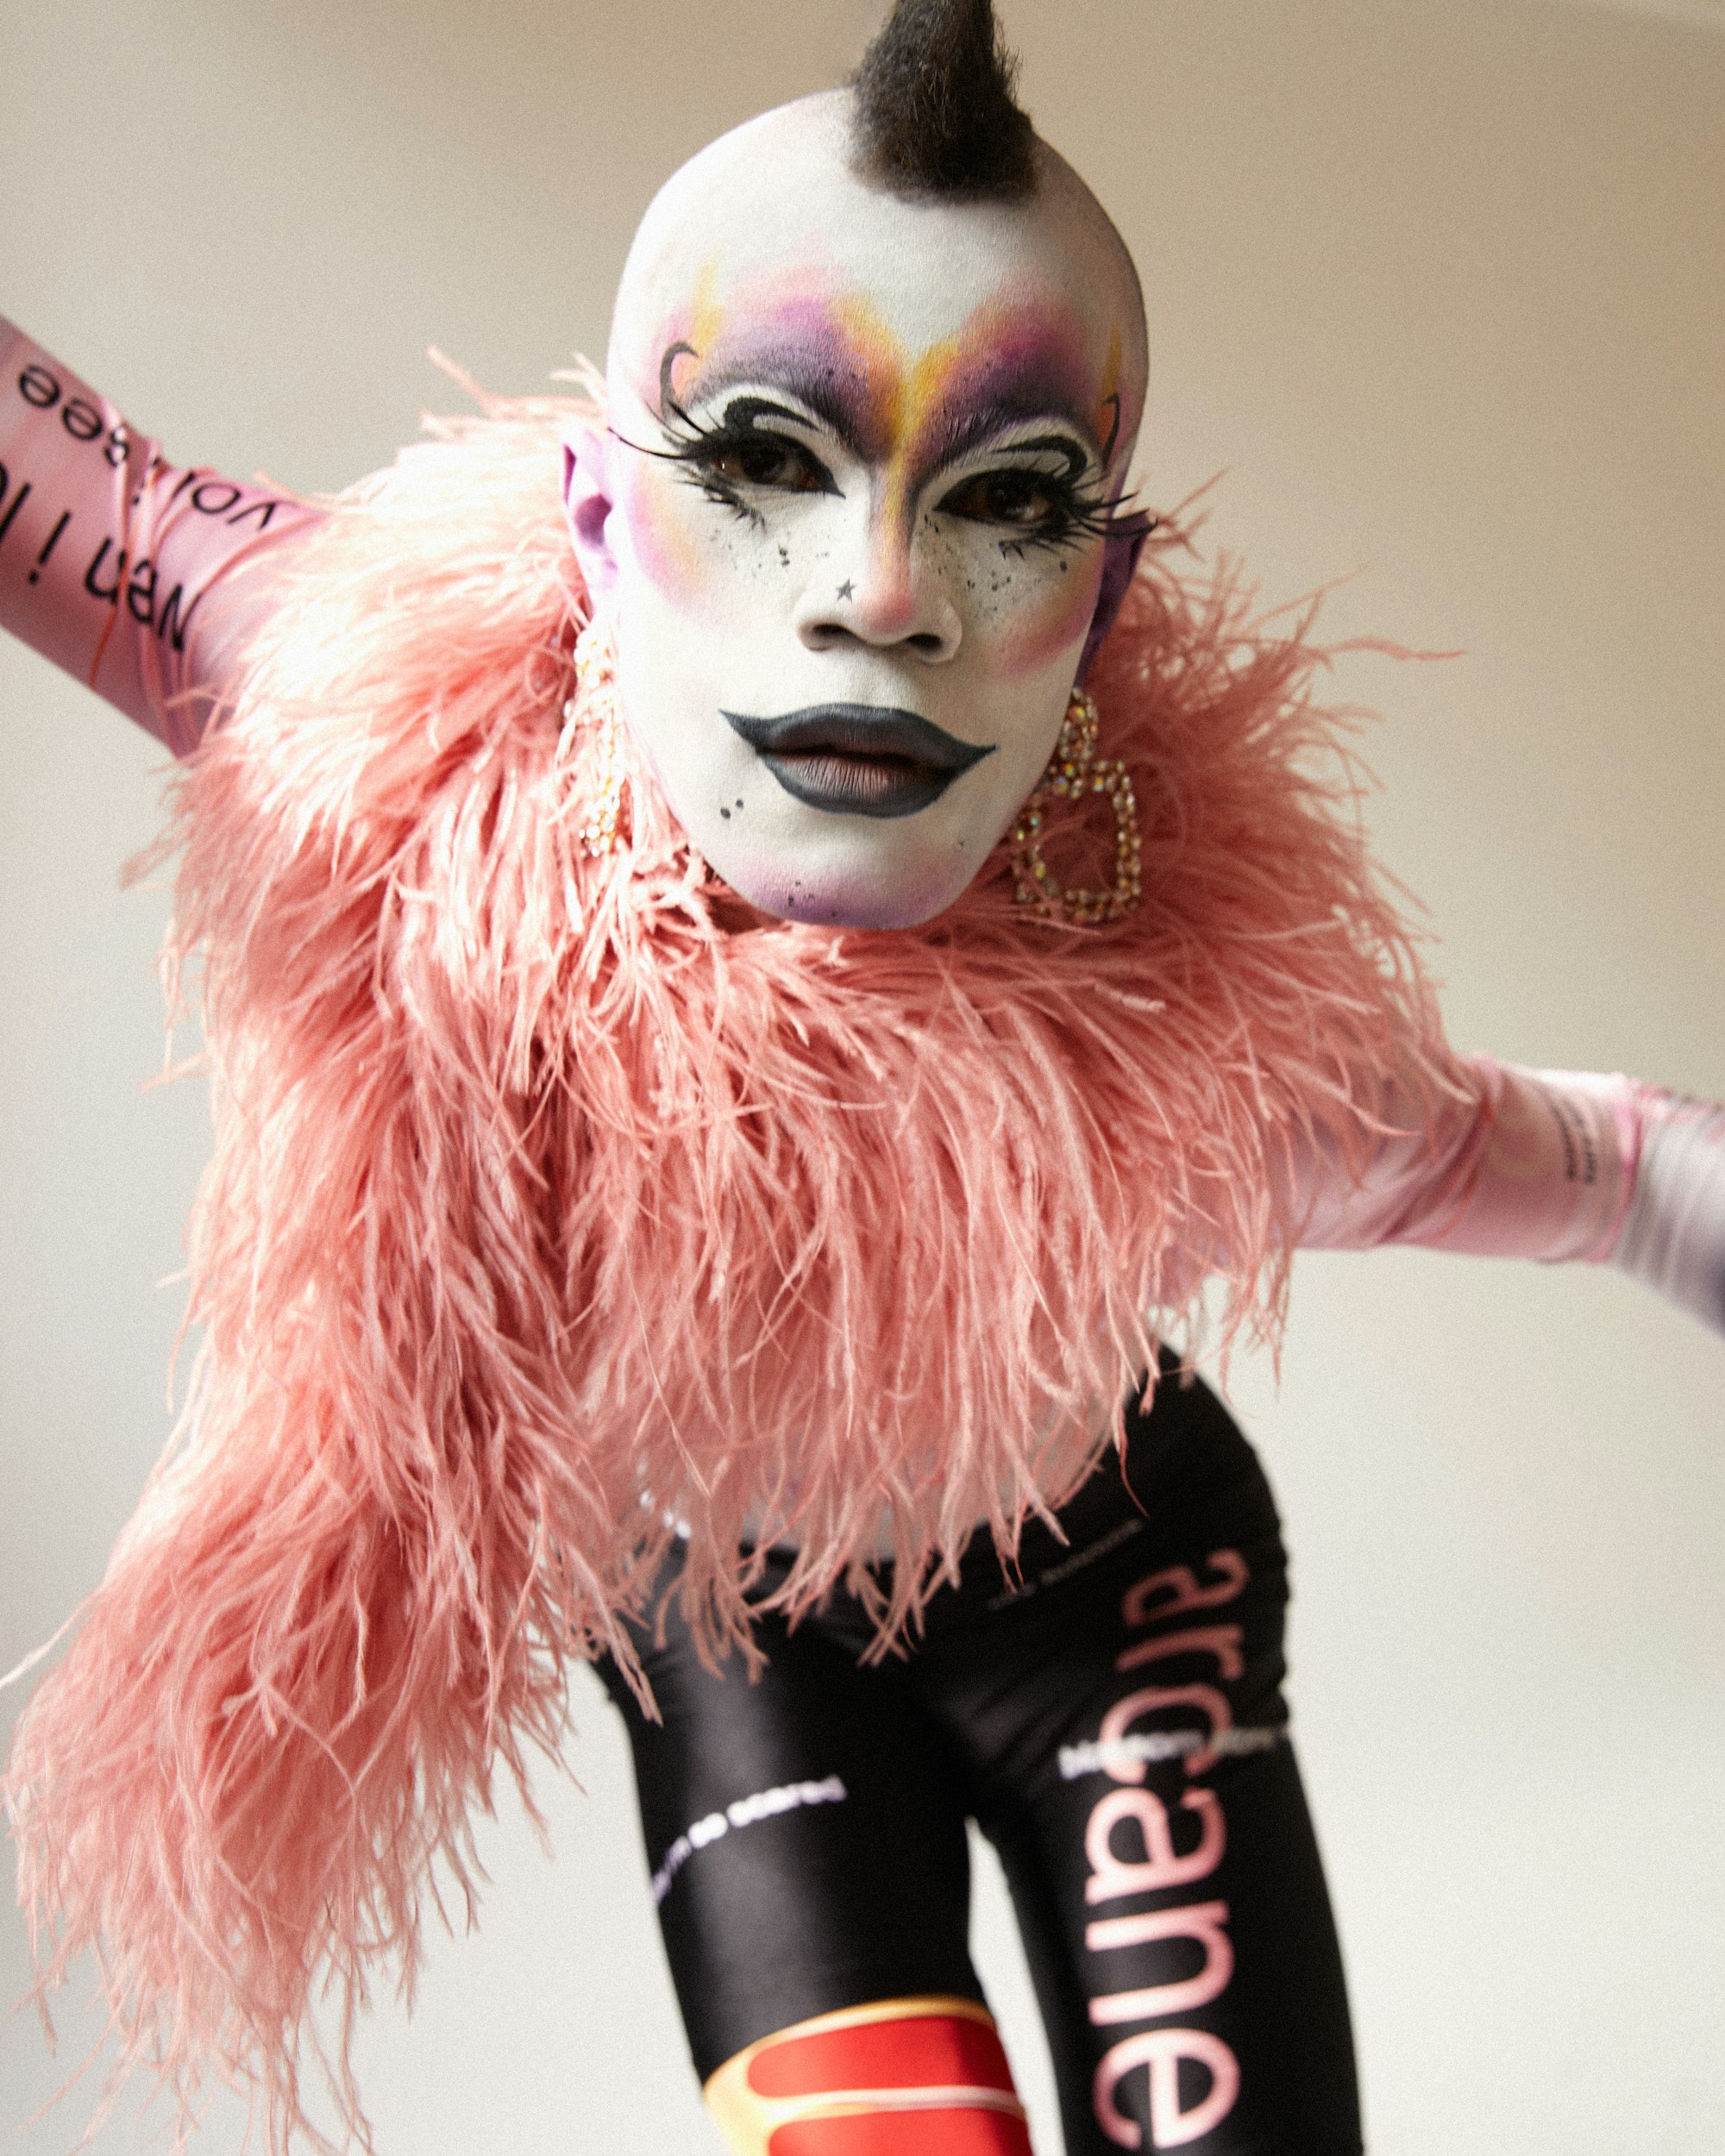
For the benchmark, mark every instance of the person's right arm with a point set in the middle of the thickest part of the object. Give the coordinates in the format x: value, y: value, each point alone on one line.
x: 145, y: 580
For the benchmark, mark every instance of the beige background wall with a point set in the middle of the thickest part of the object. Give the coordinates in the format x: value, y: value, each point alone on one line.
x: 1441, y: 286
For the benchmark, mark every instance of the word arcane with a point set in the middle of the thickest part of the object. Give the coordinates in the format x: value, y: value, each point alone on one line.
x: 1155, y: 1602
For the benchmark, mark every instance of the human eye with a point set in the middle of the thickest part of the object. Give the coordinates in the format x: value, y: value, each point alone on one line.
x: 759, y: 458
x: 1027, y: 501
x: 752, y: 448
x: 1040, y: 492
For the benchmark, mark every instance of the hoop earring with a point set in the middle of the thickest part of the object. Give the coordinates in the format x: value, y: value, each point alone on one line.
x: 1074, y: 770
x: 594, y: 703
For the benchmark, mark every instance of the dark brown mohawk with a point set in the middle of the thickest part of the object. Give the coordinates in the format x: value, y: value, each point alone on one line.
x: 934, y: 111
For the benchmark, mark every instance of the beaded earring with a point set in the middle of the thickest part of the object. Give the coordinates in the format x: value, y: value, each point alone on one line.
x: 1074, y: 770
x: 594, y: 703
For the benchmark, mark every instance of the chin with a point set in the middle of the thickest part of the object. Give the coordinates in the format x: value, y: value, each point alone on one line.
x: 873, y: 898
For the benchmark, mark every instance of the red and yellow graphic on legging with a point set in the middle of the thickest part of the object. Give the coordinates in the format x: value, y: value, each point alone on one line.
x: 898, y: 2077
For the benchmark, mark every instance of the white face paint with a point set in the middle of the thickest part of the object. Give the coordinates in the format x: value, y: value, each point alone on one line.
x: 847, y: 521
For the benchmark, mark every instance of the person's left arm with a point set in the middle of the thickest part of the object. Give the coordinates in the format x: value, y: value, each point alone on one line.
x: 1546, y: 1164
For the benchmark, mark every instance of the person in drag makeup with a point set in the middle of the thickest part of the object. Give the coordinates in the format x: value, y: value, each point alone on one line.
x: 762, y: 945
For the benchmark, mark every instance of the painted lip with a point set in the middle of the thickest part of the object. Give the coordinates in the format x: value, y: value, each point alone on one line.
x: 858, y: 759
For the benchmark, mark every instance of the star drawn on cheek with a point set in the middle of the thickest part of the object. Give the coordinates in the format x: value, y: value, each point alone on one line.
x: 848, y: 589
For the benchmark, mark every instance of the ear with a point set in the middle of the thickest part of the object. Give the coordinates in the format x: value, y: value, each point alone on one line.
x: 1123, y: 546
x: 588, y: 506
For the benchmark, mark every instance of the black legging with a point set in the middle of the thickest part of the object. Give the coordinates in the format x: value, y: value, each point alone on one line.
x: 1118, y: 1708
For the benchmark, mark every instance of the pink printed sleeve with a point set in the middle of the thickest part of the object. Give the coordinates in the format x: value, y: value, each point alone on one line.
x: 1510, y: 1163
x: 145, y: 580
x: 1547, y: 1164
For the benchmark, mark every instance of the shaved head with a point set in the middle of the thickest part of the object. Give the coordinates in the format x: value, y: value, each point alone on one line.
x: 854, y: 516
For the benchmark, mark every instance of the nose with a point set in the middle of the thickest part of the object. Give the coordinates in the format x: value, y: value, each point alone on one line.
x: 876, y: 591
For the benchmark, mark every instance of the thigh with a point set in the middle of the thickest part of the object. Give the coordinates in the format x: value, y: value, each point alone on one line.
x: 1124, y: 1730
x: 805, y: 1832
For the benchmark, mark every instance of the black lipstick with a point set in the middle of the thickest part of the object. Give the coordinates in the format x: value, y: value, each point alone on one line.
x: 859, y: 759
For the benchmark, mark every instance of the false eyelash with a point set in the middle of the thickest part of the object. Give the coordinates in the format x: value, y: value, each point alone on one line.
x: 1082, y: 516
x: 687, y: 435
x: 692, y: 452
x: 696, y: 471
x: 691, y: 442
x: 697, y: 448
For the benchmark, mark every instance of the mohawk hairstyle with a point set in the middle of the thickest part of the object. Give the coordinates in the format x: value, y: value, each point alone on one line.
x: 935, y: 112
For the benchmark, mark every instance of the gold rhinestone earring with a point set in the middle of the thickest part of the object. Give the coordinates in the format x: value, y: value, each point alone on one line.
x: 594, y: 704
x: 1074, y: 770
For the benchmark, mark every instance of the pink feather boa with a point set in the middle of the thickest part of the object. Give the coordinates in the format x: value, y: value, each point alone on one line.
x: 552, y: 1203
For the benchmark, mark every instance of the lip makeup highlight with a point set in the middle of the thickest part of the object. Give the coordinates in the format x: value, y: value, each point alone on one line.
x: 859, y: 759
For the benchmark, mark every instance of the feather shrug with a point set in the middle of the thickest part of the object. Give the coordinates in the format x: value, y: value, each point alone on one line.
x: 554, y: 1205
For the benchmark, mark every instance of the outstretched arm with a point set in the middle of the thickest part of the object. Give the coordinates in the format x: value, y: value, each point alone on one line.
x: 145, y: 580
x: 1673, y: 1235
x: 1547, y: 1164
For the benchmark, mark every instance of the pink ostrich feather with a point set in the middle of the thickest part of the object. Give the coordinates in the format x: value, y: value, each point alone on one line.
x: 556, y: 1207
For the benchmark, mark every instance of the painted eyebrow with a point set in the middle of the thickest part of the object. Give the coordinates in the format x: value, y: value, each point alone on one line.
x: 977, y: 429
x: 813, y: 386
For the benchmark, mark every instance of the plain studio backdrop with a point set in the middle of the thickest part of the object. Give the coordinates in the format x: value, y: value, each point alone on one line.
x: 1441, y: 288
